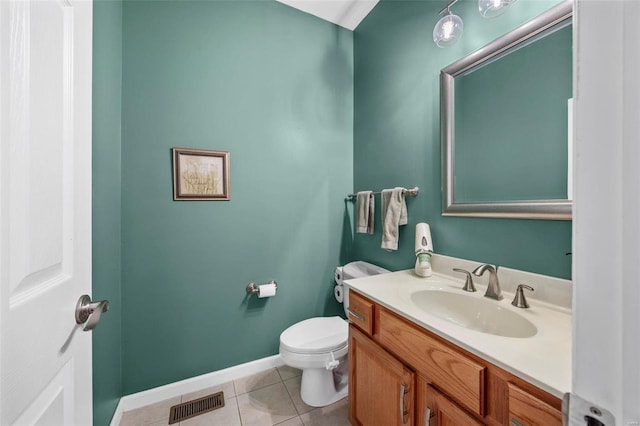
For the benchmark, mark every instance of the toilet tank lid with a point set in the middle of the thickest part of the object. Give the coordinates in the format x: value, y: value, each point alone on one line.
x: 360, y: 269
x: 321, y: 334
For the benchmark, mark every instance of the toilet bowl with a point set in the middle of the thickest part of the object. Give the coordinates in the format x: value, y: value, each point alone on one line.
x: 318, y: 347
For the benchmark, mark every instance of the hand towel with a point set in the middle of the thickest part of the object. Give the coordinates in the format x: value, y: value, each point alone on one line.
x: 364, y: 210
x: 394, y: 214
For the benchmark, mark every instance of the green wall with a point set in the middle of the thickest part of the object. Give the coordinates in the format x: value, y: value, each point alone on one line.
x: 309, y: 112
x: 273, y: 86
x: 106, y: 245
x: 397, y: 137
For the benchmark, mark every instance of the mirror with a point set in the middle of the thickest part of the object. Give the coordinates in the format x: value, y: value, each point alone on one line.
x: 504, y: 124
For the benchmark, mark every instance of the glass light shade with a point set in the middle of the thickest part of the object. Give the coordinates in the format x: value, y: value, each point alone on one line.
x: 448, y: 30
x: 493, y: 8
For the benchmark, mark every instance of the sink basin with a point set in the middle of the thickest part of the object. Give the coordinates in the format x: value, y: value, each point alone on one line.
x: 474, y: 313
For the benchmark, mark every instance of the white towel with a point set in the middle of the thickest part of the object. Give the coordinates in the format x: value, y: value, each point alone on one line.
x: 364, y: 209
x: 394, y: 214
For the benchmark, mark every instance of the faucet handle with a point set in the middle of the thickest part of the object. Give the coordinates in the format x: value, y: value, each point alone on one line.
x: 519, y: 300
x: 468, y: 283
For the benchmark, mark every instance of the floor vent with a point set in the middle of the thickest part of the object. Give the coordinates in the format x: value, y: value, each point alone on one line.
x: 186, y: 410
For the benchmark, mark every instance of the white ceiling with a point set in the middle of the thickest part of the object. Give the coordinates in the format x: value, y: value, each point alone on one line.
x: 346, y: 13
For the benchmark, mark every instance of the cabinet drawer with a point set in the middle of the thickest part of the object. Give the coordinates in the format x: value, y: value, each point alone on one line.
x: 527, y: 410
x: 360, y: 312
x: 454, y: 373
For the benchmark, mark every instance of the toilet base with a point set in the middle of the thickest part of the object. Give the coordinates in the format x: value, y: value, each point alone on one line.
x: 321, y: 387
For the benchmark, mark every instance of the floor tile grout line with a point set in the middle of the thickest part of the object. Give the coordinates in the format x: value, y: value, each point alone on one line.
x: 261, y: 387
x: 284, y: 421
x: 292, y: 401
x: 235, y: 391
x: 288, y: 378
x: 295, y: 407
x: 238, y: 410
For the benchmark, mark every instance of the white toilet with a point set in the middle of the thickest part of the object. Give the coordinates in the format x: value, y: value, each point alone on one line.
x: 318, y: 347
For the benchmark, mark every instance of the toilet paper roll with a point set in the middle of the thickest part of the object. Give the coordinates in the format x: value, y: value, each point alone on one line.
x: 266, y: 290
x: 338, y: 292
x: 337, y: 276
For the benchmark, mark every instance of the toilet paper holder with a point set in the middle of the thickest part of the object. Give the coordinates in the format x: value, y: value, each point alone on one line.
x: 253, y: 288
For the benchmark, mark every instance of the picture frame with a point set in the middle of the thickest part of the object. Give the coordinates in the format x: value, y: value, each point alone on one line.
x: 200, y: 175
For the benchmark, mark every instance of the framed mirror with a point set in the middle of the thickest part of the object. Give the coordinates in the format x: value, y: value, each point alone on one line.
x: 504, y: 112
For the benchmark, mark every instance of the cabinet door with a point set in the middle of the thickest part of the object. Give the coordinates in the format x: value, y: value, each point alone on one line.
x: 447, y: 368
x: 527, y: 410
x: 435, y: 409
x: 380, y: 386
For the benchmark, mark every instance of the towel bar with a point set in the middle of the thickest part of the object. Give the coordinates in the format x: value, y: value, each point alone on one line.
x: 407, y: 192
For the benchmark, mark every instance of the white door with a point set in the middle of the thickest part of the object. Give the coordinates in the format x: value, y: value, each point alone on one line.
x: 45, y: 211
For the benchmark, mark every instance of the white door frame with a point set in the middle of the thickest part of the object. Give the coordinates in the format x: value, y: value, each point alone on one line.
x: 606, y: 221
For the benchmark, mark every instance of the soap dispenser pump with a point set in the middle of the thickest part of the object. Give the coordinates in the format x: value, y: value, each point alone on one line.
x: 424, y: 249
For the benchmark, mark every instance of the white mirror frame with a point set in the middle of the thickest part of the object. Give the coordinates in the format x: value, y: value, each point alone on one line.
x: 529, y: 209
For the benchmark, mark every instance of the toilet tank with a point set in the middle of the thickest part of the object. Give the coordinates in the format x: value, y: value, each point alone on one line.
x: 361, y: 269
x: 358, y: 269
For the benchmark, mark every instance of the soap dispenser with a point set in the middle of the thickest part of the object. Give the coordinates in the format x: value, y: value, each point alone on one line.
x: 424, y: 248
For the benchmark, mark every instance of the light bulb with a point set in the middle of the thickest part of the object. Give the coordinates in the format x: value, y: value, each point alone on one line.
x: 447, y: 30
x: 493, y: 8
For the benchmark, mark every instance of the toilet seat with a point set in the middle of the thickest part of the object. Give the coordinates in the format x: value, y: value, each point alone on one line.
x: 316, y: 335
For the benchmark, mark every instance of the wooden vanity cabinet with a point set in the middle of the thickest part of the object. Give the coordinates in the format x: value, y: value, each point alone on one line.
x: 435, y: 409
x: 380, y: 386
x: 395, y: 363
x: 360, y: 312
x: 459, y: 376
x: 526, y: 409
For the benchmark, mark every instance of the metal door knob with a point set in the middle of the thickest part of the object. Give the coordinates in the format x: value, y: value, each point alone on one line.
x: 88, y: 312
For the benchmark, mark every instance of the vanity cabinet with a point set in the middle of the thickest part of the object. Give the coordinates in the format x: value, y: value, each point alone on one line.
x: 403, y: 374
x: 526, y: 409
x: 438, y: 410
x: 380, y: 386
x: 360, y: 312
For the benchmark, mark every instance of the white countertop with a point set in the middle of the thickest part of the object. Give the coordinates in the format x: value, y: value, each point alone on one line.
x: 544, y: 360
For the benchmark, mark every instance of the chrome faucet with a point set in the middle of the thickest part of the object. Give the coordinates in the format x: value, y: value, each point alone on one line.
x: 493, y: 290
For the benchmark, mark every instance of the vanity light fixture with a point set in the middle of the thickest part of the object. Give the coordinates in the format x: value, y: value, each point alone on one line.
x: 448, y: 29
x: 493, y: 8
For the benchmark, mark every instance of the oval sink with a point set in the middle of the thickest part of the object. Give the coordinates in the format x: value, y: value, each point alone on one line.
x: 474, y: 313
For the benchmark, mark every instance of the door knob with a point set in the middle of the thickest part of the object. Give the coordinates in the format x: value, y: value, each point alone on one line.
x: 88, y: 312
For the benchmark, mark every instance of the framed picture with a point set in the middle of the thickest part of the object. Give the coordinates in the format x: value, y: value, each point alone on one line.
x: 200, y: 174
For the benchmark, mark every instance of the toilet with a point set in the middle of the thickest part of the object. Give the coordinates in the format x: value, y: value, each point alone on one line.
x: 318, y: 347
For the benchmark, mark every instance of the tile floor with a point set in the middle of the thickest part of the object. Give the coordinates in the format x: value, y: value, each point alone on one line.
x: 271, y: 397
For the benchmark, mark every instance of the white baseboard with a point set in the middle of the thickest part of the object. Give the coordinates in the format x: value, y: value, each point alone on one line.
x: 151, y: 396
x: 117, y: 416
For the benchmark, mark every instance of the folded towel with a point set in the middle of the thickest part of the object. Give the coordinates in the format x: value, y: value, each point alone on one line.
x: 394, y: 214
x: 364, y: 210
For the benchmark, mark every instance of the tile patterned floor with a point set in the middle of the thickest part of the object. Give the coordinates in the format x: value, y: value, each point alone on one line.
x: 271, y: 397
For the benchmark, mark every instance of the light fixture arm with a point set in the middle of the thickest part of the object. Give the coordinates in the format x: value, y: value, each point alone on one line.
x: 446, y: 8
